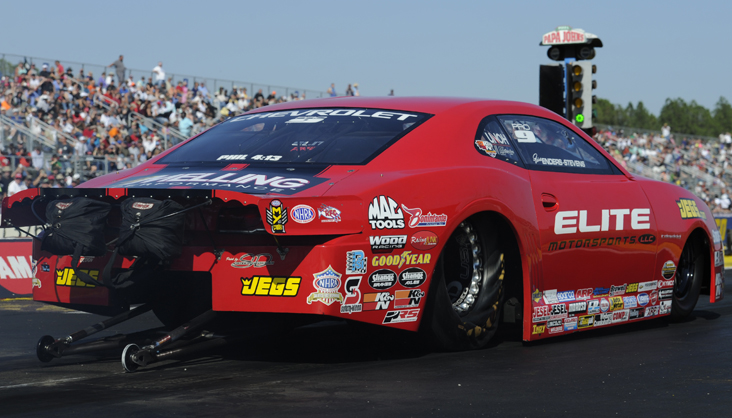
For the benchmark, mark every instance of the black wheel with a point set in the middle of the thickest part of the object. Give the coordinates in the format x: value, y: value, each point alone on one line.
x: 129, y: 365
x: 467, y: 288
x: 43, y: 350
x: 687, y: 283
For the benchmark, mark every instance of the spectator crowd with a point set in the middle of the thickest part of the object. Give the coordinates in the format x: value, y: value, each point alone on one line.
x: 84, y: 124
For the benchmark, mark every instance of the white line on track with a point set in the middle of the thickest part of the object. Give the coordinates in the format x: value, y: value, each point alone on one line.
x: 44, y: 383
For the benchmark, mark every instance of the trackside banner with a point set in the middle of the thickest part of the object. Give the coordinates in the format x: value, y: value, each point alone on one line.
x: 16, y: 267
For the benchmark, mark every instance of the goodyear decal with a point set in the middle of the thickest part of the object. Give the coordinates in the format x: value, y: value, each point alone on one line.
x: 689, y: 209
x: 270, y: 286
x: 67, y: 277
x: 398, y: 260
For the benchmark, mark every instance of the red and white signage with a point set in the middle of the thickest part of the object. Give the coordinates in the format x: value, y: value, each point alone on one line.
x: 16, y: 266
x: 565, y: 35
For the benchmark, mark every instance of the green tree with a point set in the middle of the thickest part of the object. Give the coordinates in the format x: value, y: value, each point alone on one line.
x: 722, y: 115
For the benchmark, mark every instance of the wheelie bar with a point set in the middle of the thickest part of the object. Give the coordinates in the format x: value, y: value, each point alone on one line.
x: 49, y: 348
x: 133, y: 356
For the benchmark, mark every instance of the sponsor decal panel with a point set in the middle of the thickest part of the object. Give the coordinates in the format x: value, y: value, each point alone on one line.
x: 593, y: 306
x: 356, y: 262
x: 654, y: 298
x: 646, y: 286
x: 417, y: 219
x: 277, y: 216
x: 387, y: 243
x: 384, y: 213
x: 616, y: 303
x: 584, y: 294
x: 67, y: 277
x: 251, y: 260
x: 352, y: 296
x: 326, y: 284
x: 398, y: 260
x: 620, y: 316
x: 665, y: 283
x: 393, y: 317
x: 585, y: 321
x: 302, y: 214
x: 643, y: 299
x: 142, y: 206
x: 601, y: 291
x: 566, y: 296
x: 407, y: 298
x: 382, y: 279
x: 541, y: 313
x: 689, y: 210
x: 550, y: 296
x: 555, y: 330
x: 668, y: 270
x: 719, y: 286
x: 424, y: 240
x: 718, y: 258
x: 665, y: 294
x: 270, y: 286
x: 617, y: 290
x: 572, y: 221
x: 328, y: 214
x: 577, y: 307
x: 536, y: 296
x: 412, y: 277
x: 377, y: 301
x: 600, y: 242
x: 554, y: 323
x: 631, y: 288
x: 570, y: 324
x: 538, y: 329
x: 630, y: 302
x: 636, y: 313
x: 664, y: 307
x: 604, y: 305
x: 603, y: 319
x: 651, y: 311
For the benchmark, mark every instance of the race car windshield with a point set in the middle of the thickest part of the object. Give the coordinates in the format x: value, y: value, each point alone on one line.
x: 317, y: 136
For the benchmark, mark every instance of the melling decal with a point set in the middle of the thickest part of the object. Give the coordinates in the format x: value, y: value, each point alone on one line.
x: 142, y: 206
x: 412, y: 277
x: 382, y: 279
x: 424, y: 240
x: 302, y: 214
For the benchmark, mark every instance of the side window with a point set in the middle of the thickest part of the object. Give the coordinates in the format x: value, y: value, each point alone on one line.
x: 490, y: 140
x: 546, y: 145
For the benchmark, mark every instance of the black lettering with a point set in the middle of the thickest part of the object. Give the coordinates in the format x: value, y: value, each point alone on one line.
x: 625, y: 240
x: 632, y: 240
x: 562, y: 245
x: 552, y: 246
x: 578, y: 244
x: 610, y: 241
x: 587, y: 243
x: 570, y: 243
x: 602, y: 240
x: 594, y: 242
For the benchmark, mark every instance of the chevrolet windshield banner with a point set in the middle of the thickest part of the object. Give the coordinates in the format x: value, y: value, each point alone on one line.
x: 235, y: 177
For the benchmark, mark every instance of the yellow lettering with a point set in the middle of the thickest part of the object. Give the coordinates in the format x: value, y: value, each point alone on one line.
x: 249, y: 285
x: 60, y: 278
x: 293, y: 285
x: 263, y: 286
x: 427, y: 258
x: 420, y: 259
x: 278, y: 286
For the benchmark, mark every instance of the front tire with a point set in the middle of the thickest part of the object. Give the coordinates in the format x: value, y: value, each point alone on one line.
x: 467, y: 288
x: 687, y: 282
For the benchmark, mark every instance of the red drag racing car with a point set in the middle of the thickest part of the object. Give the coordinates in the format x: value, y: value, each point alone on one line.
x: 443, y: 215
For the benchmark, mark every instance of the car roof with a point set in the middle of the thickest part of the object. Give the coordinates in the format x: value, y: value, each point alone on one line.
x: 433, y: 105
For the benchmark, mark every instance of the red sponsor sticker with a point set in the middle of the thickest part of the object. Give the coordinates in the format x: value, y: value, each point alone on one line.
x: 424, y: 240
x: 142, y: 206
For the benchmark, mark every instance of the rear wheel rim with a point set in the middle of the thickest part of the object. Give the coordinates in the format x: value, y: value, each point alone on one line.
x: 463, y: 268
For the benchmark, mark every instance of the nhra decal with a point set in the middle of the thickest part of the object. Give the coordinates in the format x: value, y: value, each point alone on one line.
x: 352, y: 295
x: 356, y: 262
x: 424, y: 240
x: 387, y: 243
x: 631, y: 288
x: 570, y: 324
x: 689, y: 209
x: 264, y: 181
x: 382, y: 279
x: 407, y: 298
x: 277, y: 216
x: 393, y: 317
x: 328, y: 214
x: 270, y: 286
x: 326, y: 284
x: 376, y: 301
x: 317, y: 115
x: 417, y: 219
x: 566, y: 222
x: 398, y: 260
x: 584, y: 294
x: 600, y: 242
x: 412, y: 277
x: 251, y: 260
x: 668, y: 270
x: 67, y: 277
x: 302, y: 214
x: 384, y: 213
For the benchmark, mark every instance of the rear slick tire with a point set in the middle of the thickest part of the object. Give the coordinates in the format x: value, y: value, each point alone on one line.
x: 467, y: 289
x: 687, y: 281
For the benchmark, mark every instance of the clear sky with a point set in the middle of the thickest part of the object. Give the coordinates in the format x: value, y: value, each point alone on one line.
x: 653, y: 49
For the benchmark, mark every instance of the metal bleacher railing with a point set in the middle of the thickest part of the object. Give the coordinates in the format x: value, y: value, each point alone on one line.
x: 8, y: 62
